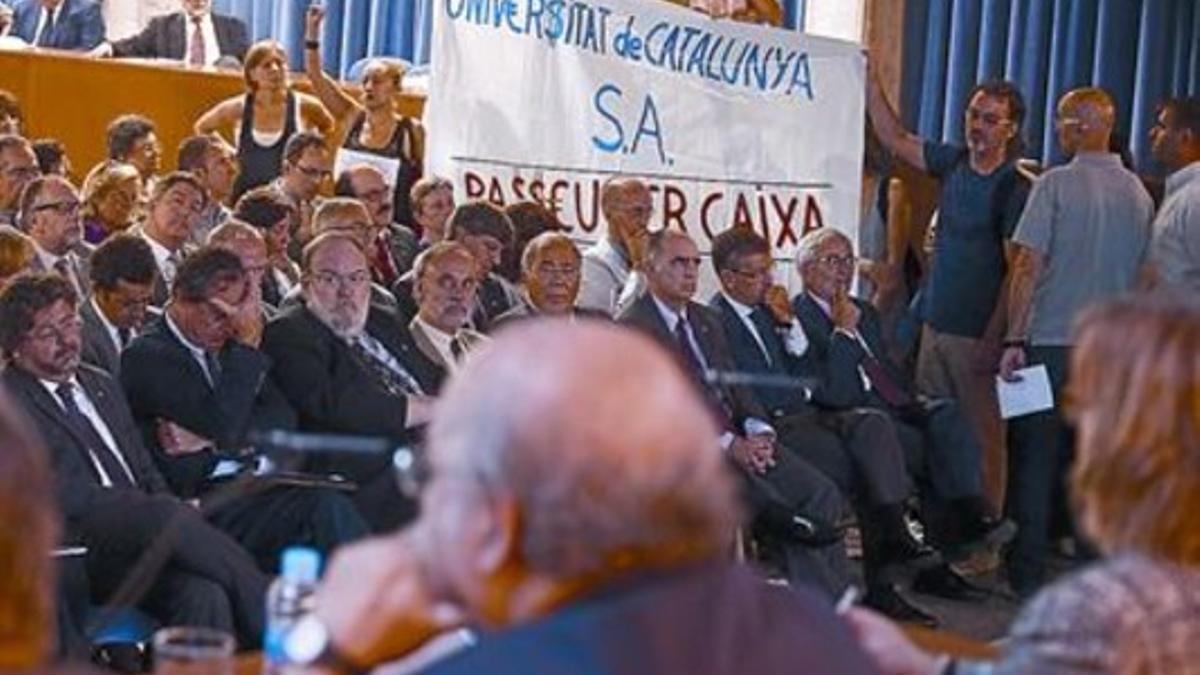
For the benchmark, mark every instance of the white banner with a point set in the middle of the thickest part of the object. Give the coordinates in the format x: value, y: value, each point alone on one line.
x: 728, y: 123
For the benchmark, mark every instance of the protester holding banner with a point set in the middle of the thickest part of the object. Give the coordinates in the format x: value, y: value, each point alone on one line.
x: 376, y: 133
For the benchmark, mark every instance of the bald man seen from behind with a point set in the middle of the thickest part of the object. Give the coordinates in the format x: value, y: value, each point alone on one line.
x: 1082, y: 238
x: 579, y: 523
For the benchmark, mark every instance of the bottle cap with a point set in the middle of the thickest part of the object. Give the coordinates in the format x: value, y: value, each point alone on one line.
x: 301, y: 564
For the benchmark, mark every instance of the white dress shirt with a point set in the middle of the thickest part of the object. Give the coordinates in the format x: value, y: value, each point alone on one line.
x: 84, y: 403
x: 751, y: 426
x: 795, y: 342
x: 208, y: 33
x: 43, y: 17
x: 163, y: 258
x: 441, y: 341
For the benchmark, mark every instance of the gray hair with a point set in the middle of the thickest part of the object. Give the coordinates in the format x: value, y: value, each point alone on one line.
x: 811, y: 243
x: 635, y: 479
x: 540, y: 242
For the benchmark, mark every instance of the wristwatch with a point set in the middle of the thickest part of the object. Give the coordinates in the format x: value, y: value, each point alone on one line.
x: 307, y: 644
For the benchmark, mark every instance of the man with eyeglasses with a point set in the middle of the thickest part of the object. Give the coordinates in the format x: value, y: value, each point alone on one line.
x: 110, y: 491
x: 176, y: 204
x: 1082, y: 238
x: 962, y: 297
x: 18, y: 166
x: 444, y: 288
x: 550, y: 273
x: 395, y: 246
x: 793, y: 504
x: 609, y: 278
x: 349, y: 367
x: 197, y: 384
x: 50, y: 216
x: 305, y: 170
x: 941, y: 450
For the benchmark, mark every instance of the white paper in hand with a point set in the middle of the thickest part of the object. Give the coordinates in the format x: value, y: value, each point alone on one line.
x: 1029, y: 395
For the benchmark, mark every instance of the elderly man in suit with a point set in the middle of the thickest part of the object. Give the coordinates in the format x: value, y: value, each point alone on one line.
x: 58, y: 24
x: 550, y: 278
x: 50, y: 216
x: 445, y: 293
x: 194, y: 35
x: 584, y: 520
x: 110, y: 492
x: 348, y: 366
x: 942, y: 452
x: 778, y: 483
x: 122, y: 274
x: 197, y: 385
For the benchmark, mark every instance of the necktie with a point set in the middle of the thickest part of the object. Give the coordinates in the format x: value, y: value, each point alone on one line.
x: 384, y: 264
x: 884, y: 385
x: 123, y: 336
x: 394, y: 380
x: 713, y: 393
x: 212, y: 364
x: 118, y: 475
x: 43, y: 39
x: 456, y: 348
x: 196, y: 55
x: 765, y: 327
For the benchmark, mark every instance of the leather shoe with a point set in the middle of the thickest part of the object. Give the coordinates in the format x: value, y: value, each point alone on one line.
x: 886, y: 600
x: 787, y: 525
x: 943, y: 582
x: 904, y: 548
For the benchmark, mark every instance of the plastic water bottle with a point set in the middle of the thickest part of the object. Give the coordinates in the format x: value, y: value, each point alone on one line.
x: 289, y: 598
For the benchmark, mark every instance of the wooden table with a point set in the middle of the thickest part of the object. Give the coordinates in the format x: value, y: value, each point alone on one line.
x: 70, y: 97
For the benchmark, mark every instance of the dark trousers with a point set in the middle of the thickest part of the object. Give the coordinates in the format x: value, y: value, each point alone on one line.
x: 163, y: 556
x: 1040, y: 451
x: 268, y: 522
x: 795, y: 485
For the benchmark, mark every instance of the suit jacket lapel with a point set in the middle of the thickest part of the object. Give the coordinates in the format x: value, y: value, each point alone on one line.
x: 177, y: 35
x: 54, y: 412
x: 424, y: 344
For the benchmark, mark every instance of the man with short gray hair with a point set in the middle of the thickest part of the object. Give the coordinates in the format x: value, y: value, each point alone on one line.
x: 610, y: 262
x: 584, y: 519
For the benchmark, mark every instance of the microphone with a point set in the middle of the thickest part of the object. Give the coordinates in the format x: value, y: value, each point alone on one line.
x: 772, y: 380
x: 299, y: 442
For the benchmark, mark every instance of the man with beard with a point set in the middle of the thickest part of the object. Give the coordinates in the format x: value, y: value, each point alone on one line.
x: 348, y: 367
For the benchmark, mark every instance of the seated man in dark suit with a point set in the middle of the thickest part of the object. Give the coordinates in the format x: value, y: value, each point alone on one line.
x: 197, y: 385
x: 942, y: 451
x: 194, y: 35
x: 349, y: 367
x: 59, y: 24
x: 778, y: 482
x: 551, y: 271
x: 393, y: 246
x: 445, y: 293
x: 110, y: 493
x: 868, y: 462
x: 579, y: 509
x: 175, y: 206
x: 485, y: 230
x: 122, y: 271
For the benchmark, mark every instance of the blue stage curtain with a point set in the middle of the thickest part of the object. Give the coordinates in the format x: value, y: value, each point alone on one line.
x: 355, y: 29
x: 1140, y: 51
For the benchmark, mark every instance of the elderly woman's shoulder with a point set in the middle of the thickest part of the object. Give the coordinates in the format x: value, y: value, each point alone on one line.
x: 1130, y: 607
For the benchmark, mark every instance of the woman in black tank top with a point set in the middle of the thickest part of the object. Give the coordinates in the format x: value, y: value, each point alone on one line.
x: 376, y: 127
x: 265, y: 117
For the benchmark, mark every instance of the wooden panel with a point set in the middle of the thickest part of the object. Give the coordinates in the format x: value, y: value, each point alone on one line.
x: 73, y: 98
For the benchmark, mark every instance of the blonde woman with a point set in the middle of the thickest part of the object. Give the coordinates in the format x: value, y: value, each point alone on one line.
x: 1134, y: 396
x: 265, y: 117
x: 112, y: 200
